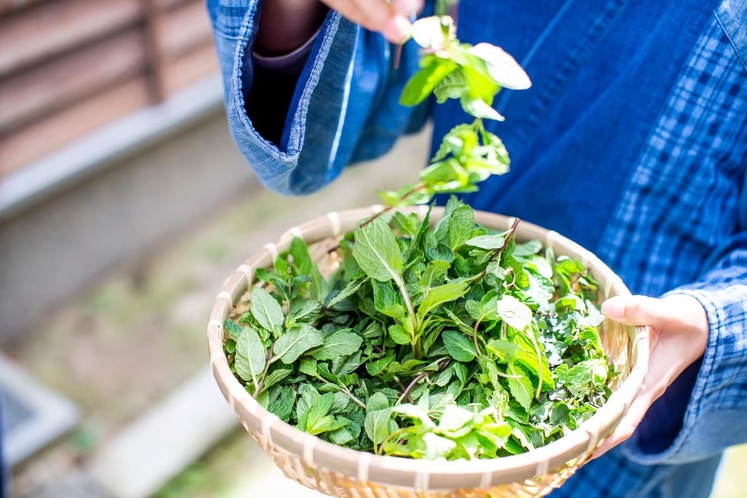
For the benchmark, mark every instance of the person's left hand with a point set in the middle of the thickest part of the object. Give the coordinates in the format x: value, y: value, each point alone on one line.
x: 678, y: 331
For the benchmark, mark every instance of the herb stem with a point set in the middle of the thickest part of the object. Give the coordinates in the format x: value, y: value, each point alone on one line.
x: 421, y: 376
x: 346, y: 391
x: 417, y: 188
x: 417, y: 379
x: 390, y: 436
x: 402, y: 386
x: 415, y: 341
x: 539, y: 362
x: 474, y: 335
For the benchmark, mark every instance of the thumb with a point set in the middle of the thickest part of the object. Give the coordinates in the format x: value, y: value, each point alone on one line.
x: 635, y: 310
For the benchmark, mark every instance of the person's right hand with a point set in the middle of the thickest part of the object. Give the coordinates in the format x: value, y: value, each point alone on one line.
x: 391, y: 19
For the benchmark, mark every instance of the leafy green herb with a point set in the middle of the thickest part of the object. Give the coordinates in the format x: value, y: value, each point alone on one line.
x: 432, y: 347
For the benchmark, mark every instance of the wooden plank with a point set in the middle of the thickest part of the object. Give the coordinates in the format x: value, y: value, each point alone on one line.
x: 182, y: 30
x: 190, y: 68
x: 41, y: 138
x: 52, y: 28
x: 70, y: 78
x: 7, y: 6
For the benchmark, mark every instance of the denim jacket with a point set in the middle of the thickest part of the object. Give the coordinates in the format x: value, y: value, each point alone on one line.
x: 632, y: 141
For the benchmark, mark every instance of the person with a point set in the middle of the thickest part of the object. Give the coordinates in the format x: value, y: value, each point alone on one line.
x: 632, y: 142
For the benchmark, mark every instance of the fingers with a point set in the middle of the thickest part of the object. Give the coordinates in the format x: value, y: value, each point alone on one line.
x: 390, y: 19
x: 634, y: 310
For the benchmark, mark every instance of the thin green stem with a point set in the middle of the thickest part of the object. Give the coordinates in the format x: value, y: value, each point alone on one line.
x: 474, y: 335
x: 539, y: 362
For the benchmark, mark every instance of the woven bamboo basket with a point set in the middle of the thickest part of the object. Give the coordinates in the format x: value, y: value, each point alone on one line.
x: 342, y: 472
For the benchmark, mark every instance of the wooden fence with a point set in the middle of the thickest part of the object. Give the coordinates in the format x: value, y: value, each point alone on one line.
x: 68, y: 67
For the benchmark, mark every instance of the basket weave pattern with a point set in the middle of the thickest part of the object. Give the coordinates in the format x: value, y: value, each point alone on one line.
x: 343, y: 472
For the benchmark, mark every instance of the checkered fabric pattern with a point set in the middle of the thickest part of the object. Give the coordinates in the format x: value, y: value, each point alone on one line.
x: 683, y: 195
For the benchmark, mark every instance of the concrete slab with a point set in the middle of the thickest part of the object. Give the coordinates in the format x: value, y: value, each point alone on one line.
x: 164, y: 441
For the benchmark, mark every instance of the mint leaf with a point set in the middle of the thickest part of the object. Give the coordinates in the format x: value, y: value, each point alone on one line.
x: 504, y: 350
x: 378, y: 425
x: 428, y: 32
x: 234, y: 331
x: 377, y: 252
x: 398, y: 334
x: 296, y: 342
x: 461, y: 225
x: 443, y: 294
x: 521, y: 388
x: 266, y: 310
x: 459, y: 347
x: 308, y: 366
x: 250, y: 357
x: 341, y: 343
x: 502, y: 67
x: 424, y: 81
x: 305, y: 313
x: 350, y: 289
x: 437, y: 446
x: 282, y: 403
x: 377, y: 401
x: 514, y: 312
x: 276, y: 376
x: 301, y: 256
x: 495, y: 241
x: 318, y: 410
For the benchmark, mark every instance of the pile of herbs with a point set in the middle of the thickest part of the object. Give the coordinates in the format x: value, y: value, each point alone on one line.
x: 448, y: 341
x: 445, y: 342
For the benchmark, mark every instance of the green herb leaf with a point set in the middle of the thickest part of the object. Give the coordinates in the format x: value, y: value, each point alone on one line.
x: 266, y: 310
x: 276, y: 376
x: 378, y: 425
x: 459, y: 347
x: 424, y: 81
x: 350, y: 289
x: 521, y: 388
x: 234, y: 331
x: 514, y: 312
x: 341, y: 343
x: 377, y: 252
x: 460, y: 227
x: 494, y: 241
x: 296, y: 342
x: 502, y: 67
x: 398, y: 334
x: 443, y: 294
x: 250, y: 357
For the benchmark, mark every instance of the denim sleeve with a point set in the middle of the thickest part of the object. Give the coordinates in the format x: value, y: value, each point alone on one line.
x: 715, y: 402
x: 344, y: 107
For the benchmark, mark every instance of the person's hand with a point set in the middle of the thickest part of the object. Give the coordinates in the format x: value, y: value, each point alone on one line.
x: 678, y: 331
x: 391, y: 19
x: 287, y: 24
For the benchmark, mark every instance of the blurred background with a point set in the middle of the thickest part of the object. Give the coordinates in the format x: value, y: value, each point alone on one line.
x: 124, y: 205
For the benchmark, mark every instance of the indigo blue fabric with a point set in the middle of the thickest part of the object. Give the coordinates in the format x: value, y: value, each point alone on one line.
x: 632, y: 141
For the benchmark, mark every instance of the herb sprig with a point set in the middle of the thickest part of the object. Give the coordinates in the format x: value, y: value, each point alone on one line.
x: 473, y: 75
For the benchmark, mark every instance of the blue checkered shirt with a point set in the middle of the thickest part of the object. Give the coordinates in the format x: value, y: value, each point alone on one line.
x: 637, y: 119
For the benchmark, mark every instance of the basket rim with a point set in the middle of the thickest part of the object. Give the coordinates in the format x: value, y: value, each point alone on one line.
x: 399, y: 471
